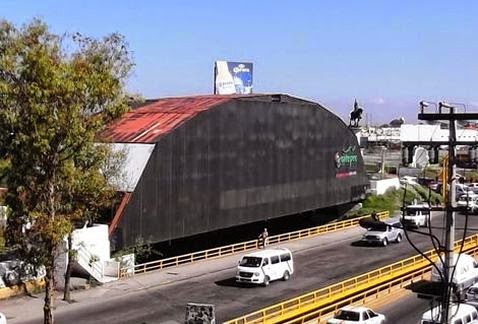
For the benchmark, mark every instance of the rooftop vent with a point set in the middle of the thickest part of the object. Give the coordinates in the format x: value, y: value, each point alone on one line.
x: 276, y: 98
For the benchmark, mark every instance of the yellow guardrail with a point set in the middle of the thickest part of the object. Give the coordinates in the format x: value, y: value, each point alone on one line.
x: 314, y: 231
x: 321, y: 315
x: 308, y: 302
x: 193, y: 257
x: 242, y: 247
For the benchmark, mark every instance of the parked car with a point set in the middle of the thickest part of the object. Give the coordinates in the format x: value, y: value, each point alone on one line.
x: 356, y: 315
x: 264, y: 266
x: 3, y: 319
x: 388, y: 231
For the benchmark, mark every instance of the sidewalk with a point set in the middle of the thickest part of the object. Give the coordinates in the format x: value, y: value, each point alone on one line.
x: 25, y: 309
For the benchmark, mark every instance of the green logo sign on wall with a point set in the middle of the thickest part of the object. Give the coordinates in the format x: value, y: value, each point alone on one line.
x: 346, y: 162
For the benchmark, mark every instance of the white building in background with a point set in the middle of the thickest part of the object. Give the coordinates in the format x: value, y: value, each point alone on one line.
x: 414, y: 133
x: 433, y: 133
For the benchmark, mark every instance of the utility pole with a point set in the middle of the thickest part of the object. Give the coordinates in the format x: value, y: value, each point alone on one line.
x: 450, y: 215
x: 450, y: 203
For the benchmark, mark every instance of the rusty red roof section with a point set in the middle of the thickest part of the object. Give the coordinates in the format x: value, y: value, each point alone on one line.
x: 150, y: 122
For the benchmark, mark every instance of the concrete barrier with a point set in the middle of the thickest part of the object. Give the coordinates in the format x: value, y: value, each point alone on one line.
x: 32, y: 286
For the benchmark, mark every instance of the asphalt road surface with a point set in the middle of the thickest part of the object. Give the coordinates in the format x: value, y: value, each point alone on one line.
x: 319, y: 262
x: 406, y: 310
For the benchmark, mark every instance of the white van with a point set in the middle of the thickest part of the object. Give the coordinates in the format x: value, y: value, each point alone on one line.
x: 409, y: 180
x: 264, y: 266
x: 416, y: 215
x: 466, y: 273
x: 461, y: 314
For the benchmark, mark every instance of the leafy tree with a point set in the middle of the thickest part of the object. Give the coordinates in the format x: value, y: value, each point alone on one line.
x: 89, y: 194
x: 56, y: 94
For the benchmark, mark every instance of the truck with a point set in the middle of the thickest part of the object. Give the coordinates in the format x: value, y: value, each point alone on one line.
x: 465, y: 273
x: 384, y: 232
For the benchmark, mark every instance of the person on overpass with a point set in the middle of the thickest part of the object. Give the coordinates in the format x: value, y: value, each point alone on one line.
x: 375, y: 216
x: 263, y: 238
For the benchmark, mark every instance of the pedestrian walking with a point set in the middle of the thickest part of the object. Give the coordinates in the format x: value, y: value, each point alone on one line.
x: 263, y: 238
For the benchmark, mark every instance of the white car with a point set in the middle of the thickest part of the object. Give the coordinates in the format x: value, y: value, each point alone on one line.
x: 409, y: 180
x: 356, y: 315
x: 3, y: 319
x: 462, y: 189
x: 473, y: 186
x: 468, y: 202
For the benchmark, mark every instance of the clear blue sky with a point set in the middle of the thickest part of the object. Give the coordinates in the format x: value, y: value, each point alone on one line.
x: 387, y: 54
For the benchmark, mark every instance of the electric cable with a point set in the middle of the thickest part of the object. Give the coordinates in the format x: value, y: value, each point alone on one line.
x: 413, y: 244
x: 434, y: 240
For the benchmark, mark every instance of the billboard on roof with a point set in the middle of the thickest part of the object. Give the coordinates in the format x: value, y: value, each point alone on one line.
x: 232, y: 77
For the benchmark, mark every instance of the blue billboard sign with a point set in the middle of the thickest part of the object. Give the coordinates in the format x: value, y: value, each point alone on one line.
x: 232, y: 78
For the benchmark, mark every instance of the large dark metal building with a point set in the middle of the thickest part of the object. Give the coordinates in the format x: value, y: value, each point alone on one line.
x: 203, y: 163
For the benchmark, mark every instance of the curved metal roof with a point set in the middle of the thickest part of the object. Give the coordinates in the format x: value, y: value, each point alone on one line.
x: 153, y: 120
x: 156, y: 118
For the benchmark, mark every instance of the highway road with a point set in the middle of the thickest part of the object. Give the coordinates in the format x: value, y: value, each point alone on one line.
x: 319, y: 262
x: 406, y: 310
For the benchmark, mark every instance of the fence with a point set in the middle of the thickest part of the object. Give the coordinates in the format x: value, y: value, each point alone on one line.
x: 368, y: 296
x: 314, y: 300
x: 242, y: 247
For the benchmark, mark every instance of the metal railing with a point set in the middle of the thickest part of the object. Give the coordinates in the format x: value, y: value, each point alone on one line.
x: 308, y: 302
x: 193, y: 257
x: 322, y: 314
x: 314, y: 231
x: 243, y: 246
x: 375, y: 293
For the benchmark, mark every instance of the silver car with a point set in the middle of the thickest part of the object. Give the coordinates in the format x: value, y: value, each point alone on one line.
x: 387, y: 232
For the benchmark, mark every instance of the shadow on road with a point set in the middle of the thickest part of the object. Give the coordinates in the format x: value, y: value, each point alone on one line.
x: 364, y: 244
x: 231, y: 282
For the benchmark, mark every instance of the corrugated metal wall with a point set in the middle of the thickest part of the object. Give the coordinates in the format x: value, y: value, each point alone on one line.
x: 244, y: 161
